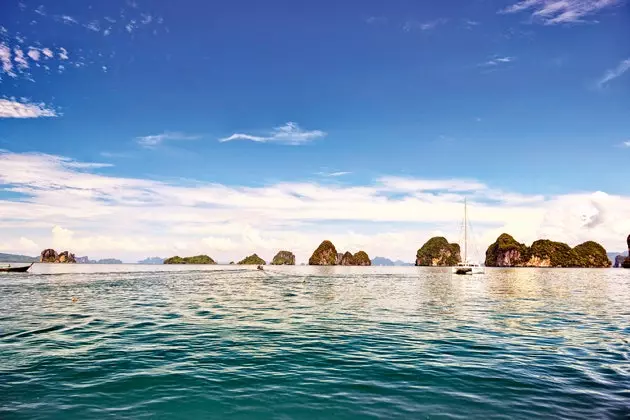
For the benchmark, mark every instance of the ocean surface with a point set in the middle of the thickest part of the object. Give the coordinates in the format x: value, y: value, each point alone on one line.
x: 172, y: 342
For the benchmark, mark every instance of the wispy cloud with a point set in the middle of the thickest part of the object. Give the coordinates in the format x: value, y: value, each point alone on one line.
x: 612, y: 74
x: 290, y: 133
x: 15, y: 109
x: 333, y: 174
x: 471, y: 23
x: 552, y: 12
x: 495, y: 61
x: 626, y: 143
x: 412, y: 25
x: 155, y: 140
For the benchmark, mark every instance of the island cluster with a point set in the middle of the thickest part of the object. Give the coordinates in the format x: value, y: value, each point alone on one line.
x: 436, y: 252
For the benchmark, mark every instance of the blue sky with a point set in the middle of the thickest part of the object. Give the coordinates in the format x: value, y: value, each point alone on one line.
x: 527, y: 98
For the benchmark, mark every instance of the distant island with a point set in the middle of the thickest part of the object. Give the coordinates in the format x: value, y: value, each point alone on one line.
x: 326, y: 254
x: 152, y: 260
x: 86, y: 260
x: 283, y: 258
x: 507, y: 252
x: 252, y: 260
x: 386, y: 262
x: 51, y: 256
x: 197, y: 259
x: 17, y: 258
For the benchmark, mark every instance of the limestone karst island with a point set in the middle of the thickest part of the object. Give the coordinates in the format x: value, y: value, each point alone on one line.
x: 438, y: 252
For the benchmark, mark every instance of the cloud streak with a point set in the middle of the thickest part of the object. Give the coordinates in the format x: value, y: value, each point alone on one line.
x: 553, y: 12
x: 612, y: 74
x: 290, y: 134
x: 155, y: 140
x: 15, y: 109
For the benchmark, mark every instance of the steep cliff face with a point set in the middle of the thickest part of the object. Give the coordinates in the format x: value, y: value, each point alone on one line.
x: 619, y: 259
x: 506, y: 252
x: 283, y: 258
x: 437, y: 252
x: 325, y: 254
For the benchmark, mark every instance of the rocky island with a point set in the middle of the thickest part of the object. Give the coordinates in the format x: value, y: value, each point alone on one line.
x: 507, y: 252
x: 626, y: 262
x: 51, y: 256
x: 197, y: 259
x: 252, y: 260
x: 438, y: 252
x: 326, y: 254
x: 283, y: 258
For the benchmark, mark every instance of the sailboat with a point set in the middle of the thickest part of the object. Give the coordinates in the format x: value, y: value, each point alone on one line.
x: 467, y: 267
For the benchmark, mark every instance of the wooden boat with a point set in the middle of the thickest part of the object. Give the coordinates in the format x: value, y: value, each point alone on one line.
x: 8, y: 269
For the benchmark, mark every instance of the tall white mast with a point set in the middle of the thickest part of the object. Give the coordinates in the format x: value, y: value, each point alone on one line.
x: 465, y: 231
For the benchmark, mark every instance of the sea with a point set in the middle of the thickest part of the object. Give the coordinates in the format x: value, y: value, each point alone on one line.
x: 226, y: 342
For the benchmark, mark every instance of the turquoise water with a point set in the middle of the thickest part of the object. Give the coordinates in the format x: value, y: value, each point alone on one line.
x: 191, y: 342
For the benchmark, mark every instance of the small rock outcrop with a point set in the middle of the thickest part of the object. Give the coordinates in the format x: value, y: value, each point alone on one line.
x: 619, y: 259
x: 252, y: 260
x: 51, y: 256
x: 507, y: 252
x: 626, y: 263
x: 325, y: 254
x: 197, y: 259
x: 437, y: 252
x: 361, y: 258
x: 283, y: 258
x: 346, y: 259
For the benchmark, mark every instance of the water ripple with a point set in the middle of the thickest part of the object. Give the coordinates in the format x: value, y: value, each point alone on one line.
x: 314, y: 343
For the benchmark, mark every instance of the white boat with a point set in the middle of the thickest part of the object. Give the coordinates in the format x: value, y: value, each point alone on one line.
x: 467, y: 267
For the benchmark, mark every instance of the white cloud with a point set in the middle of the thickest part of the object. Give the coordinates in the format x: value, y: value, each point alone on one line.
x: 551, y: 12
x: 618, y: 71
x: 495, y: 61
x: 14, y: 109
x: 20, y: 59
x: 68, y: 19
x: 290, y: 133
x: 157, y: 139
x: 626, y: 143
x: 63, y: 53
x: 34, y: 54
x: 131, y: 218
x: 93, y: 26
x: 47, y: 52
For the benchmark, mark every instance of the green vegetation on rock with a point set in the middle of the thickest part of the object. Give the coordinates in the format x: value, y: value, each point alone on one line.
x: 437, y: 252
x: 325, y: 254
x: 591, y: 254
x: 252, y: 260
x: 283, y: 258
x: 362, y: 258
x: 197, y: 259
x: 546, y: 253
x: 507, y: 252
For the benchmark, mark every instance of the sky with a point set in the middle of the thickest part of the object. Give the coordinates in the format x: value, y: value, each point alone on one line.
x: 131, y: 129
